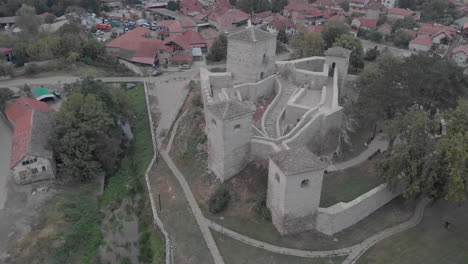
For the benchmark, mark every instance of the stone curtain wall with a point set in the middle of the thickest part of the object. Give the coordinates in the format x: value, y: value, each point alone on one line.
x: 253, y: 91
x: 261, y: 150
x: 314, y: 65
x: 340, y: 216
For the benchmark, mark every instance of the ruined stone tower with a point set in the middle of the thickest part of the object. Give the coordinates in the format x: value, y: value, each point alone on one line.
x: 338, y: 58
x: 250, y: 55
x: 229, y: 129
x: 294, y: 187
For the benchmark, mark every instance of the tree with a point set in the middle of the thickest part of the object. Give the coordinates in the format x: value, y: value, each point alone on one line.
x: 334, y: 30
x: 352, y: 43
x: 372, y: 54
x: 5, y: 95
x: 282, y: 36
x: 344, y: 5
x: 411, y: 164
x: 453, y: 152
x: 81, y: 120
x: 49, y: 19
x: 277, y: 6
x: 173, y: 5
x: 218, y: 51
x: 407, y: 22
x: 401, y: 39
x: 374, y: 36
x: 307, y: 44
x: 255, y: 6
x: 92, y: 49
x: 27, y: 20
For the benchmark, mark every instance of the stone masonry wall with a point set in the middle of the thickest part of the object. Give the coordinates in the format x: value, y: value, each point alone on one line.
x: 343, y: 215
x: 253, y: 91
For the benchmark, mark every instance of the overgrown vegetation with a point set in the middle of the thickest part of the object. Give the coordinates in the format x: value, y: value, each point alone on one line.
x: 5, y: 95
x: 219, y: 199
x: 261, y: 207
x: 218, y: 51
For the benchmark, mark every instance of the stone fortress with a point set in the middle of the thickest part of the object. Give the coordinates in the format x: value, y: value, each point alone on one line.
x: 285, y: 115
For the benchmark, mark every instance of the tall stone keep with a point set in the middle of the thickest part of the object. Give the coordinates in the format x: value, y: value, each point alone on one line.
x: 338, y: 58
x: 229, y: 129
x: 250, y: 55
x: 294, y: 188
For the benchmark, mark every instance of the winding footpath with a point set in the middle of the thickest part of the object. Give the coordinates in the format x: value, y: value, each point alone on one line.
x: 353, y: 252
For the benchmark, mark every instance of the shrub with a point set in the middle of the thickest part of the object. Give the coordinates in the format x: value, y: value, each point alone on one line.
x: 261, y: 208
x: 33, y: 68
x: 197, y: 101
x: 219, y: 200
x: 5, y: 69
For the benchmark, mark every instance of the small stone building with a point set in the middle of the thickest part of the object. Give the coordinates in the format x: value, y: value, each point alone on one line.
x: 30, y: 159
x: 294, y: 176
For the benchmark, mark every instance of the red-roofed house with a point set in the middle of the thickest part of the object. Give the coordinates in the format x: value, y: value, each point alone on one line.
x: 385, y: 29
x: 314, y: 29
x: 7, y: 52
x: 209, y: 35
x: 364, y: 23
x: 421, y: 43
x: 315, y: 16
x: 228, y: 18
x: 442, y: 38
x: 180, y: 59
x: 190, y: 6
x: 400, y: 13
x: 137, y: 46
x: 264, y: 16
x: 429, y: 29
x: 280, y: 22
x: 166, y: 28
x: 460, y: 55
x: 186, y: 42
x: 292, y: 8
x: 30, y: 160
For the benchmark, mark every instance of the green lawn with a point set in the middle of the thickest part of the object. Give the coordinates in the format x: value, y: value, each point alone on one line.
x: 235, y: 252
x: 348, y: 184
x: 429, y: 242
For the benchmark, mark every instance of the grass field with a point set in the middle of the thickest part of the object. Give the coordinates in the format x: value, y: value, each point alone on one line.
x: 235, y: 252
x: 348, y: 184
x: 429, y: 242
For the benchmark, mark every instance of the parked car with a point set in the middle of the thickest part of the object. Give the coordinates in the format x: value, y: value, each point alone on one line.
x: 184, y: 66
x: 99, y: 32
x: 146, y: 25
x: 156, y: 72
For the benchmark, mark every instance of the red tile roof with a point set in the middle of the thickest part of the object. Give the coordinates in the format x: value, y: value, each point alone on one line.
x: 174, y: 26
x: 315, y: 29
x: 186, y: 22
x: 429, y: 29
x: 182, y: 57
x: 263, y: 14
x: 5, y: 50
x: 209, y: 34
x: 400, y: 12
x: 461, y: 49
x: 301, y: 7
x: 368, y: 22
x: 20, y: 113
x: 422, y: 40
x: 189, y: 6
x: 145, y: 48
x: 314, y: 12
x: 385, y: 28
x: 228, y: 18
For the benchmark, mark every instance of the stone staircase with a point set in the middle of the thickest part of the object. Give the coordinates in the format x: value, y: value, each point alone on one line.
x: 274, y: 114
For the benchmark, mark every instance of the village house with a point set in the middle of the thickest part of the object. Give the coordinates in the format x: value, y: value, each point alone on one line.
x: 364, y: 23
x: 280, y: 22
x: 228, y: 19
x: 421, y: 43
x: 30, y: 159
x: 385, y: 29
x: 209, y: 35
x: 188, y: 7
x: 400, y: 13
x: 460, y: 55
x: 432, y: 29
x: 140, y: 47
x: 294, y: 9
x: 367, y: 8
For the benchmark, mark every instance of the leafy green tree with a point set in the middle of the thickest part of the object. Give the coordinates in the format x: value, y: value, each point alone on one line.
x: 27, y: 20
x: 410, y: 165
x: 173, y: 5
x: 81, y: 120
x: 352, y: 43
x: 334, y: 30
x: 407, y: 22
x: 5, y: 95
x: 344, y: 5
x: 282, y: 36
x: 374, y: 36
x: 255, y: 6
x: 372, y: 54
x: 453, y: 152
x: 277, y: 6
x: 69, y: 28
x: 49, y: 19
x: 218, y: 51
x: 401, y: 39
x: 93, y: 48
x: 307, y: 44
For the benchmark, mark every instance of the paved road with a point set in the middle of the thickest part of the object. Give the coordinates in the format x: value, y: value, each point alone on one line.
x: 380, y: 142
x: 5, y: 147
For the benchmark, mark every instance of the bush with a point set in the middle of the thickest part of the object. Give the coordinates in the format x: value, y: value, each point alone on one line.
x: 219, y: 200
x: 261, y: 208
x: 5, y: 69
x: 33, y: 68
